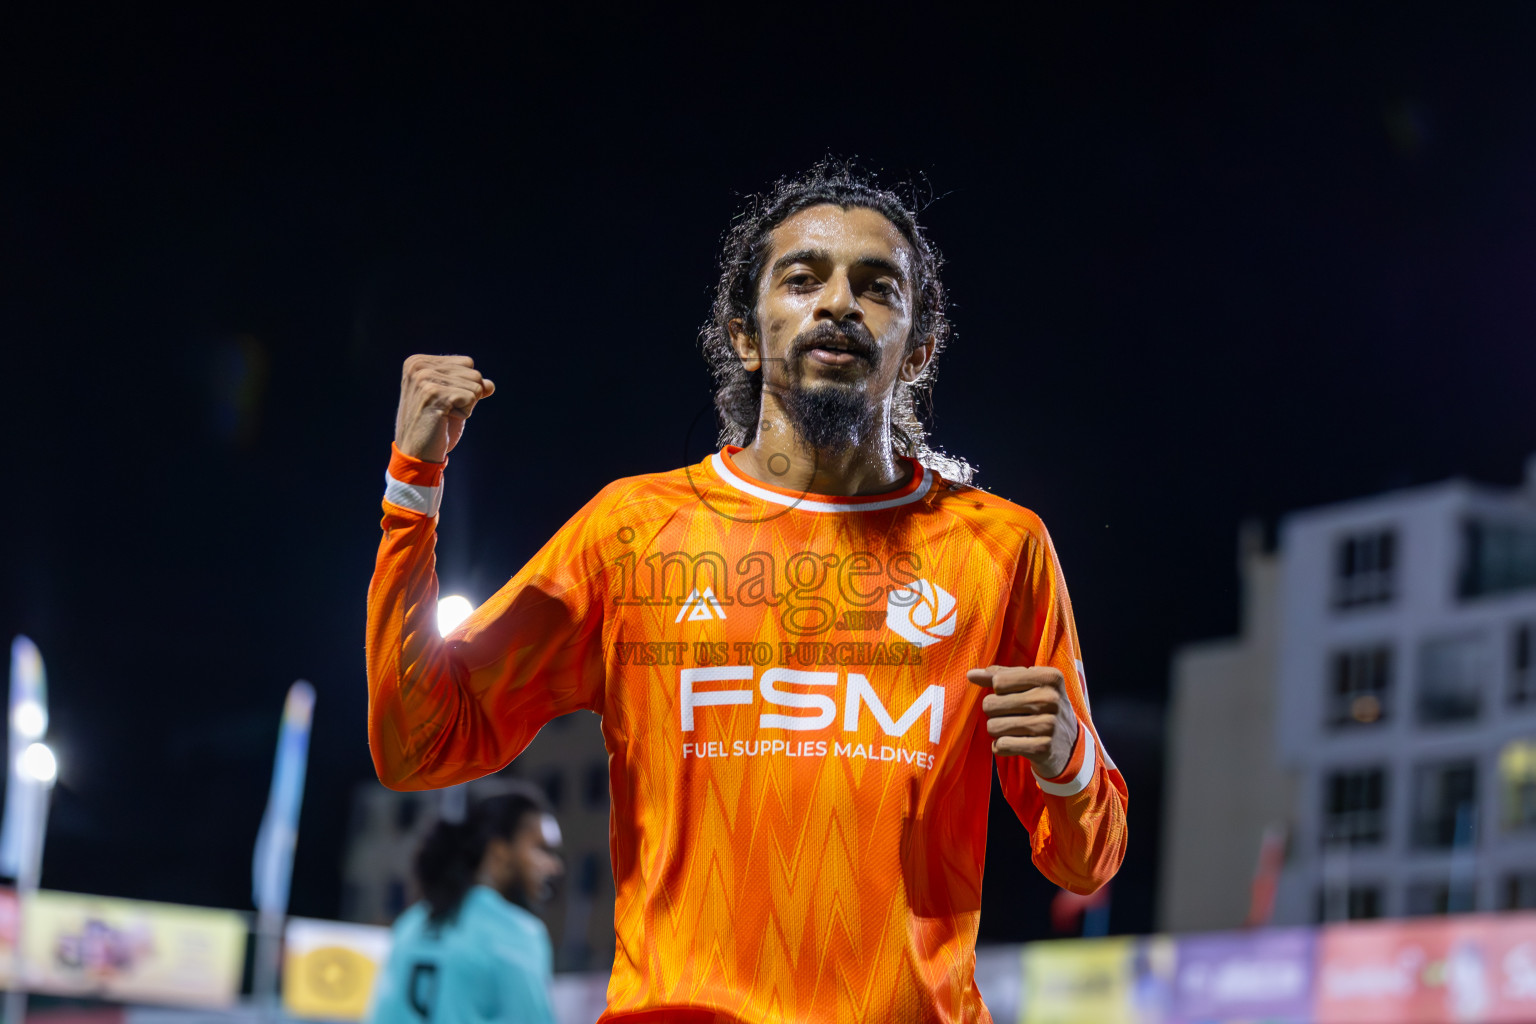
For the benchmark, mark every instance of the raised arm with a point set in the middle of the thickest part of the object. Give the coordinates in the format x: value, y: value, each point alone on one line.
x: 437, y: 396
x: 446, y: 710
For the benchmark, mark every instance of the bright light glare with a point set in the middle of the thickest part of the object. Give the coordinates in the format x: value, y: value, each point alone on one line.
x: 38, y: 763
x: 451, y: 611
x: 551, y: 829
x: 29, y: 719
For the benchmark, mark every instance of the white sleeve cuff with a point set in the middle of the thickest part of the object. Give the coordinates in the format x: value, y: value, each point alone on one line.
x: 413, y: 497
x: 1079, y: 782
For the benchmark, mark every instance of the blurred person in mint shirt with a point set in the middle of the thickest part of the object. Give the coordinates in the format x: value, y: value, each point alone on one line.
x: 473, y: 949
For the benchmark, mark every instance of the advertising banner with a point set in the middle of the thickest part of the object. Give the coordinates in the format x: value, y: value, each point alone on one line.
x: 1153, y: 972
x: 1249, y: 976
x: 1474, y: 968
x: 1077, y: 980
x: 329, y: 968
x: 126, y: 950
x: 579, y: 998
x: 1000, y: 978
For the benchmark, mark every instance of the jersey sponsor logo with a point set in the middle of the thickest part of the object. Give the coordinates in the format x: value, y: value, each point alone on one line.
x: 858, y: 696
x: 922, y: 613
x: 700, y: 607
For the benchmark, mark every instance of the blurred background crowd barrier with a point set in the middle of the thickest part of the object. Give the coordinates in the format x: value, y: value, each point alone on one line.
x: 189, y: 961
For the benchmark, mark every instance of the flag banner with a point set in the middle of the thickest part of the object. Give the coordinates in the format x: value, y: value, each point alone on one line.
x: 1249, y: 976
x: 1471, y: 968
x: 28, y: 721
x: 272, y: 863
x: 329, y: 968
x: 126, y: 950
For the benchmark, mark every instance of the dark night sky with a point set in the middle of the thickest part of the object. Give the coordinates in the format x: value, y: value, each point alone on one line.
x: 1206, y: 265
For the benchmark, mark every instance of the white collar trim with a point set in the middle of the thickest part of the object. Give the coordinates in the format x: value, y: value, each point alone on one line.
x: 810, y: 504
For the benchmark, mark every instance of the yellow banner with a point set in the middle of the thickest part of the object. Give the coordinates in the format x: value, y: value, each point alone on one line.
x: 125, y: 950
x: 1076, y: 981
x: 329, y: 968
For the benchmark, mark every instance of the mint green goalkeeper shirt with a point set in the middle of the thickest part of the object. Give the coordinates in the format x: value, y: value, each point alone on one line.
x: 490, y: 962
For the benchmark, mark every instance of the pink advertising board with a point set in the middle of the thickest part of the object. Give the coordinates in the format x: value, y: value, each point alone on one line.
x: 1476, y: 969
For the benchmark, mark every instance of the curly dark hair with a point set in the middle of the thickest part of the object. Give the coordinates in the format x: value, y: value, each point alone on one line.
x: 449, y: 857
x: 743, y: 256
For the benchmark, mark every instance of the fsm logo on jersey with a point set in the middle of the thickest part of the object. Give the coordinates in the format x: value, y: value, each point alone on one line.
x: 858, y: 697
x: 922, y: 613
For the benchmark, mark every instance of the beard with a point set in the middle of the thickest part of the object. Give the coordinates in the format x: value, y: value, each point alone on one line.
x: 833, y: 415
x: 517, y: 894
x: 521, y: 892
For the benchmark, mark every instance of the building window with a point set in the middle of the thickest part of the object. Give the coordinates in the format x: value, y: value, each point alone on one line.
x: 1451, y: 672
x: 1351, y: 903
x: 1522, y: 677
x: 1520, y: 891
x: 360, y: 818
x: 1445, y: 805
x: 589, y: 875
x: 1497, y: 557
x: 1354, y: 807
x: 1358, y: 688
x: 406, y: 813
x: 1366, y: 568
x: 595, y: 785
x: 552, y: 782
x: 1427, y: 898
x: 1517, y: 784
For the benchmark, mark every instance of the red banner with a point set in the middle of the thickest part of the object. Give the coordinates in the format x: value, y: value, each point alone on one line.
x: 1458, y: 969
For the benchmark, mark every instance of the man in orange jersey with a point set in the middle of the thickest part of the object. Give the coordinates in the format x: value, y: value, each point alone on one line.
x: 809, y: 650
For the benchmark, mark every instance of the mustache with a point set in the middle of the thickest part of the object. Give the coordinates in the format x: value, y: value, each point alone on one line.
x: 850, y: 335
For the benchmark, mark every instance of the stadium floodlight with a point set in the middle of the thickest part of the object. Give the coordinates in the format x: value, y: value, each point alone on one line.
x: 451, y: 611
x: 30, y: 719
x: 39, y: 764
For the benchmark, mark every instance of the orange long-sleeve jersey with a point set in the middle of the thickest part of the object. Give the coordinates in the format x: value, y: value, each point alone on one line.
x: 799, y: 768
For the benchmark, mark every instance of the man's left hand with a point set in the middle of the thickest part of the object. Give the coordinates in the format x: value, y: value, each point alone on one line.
x: 1029, y: 715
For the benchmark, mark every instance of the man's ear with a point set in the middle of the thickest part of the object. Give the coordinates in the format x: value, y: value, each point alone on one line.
x: 745, y: 344
x: 498, y: 853
x: 917, y: 360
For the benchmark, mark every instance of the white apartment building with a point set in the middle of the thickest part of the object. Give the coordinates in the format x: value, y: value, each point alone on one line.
x: 1403, y: 682
x: 1406, y: 703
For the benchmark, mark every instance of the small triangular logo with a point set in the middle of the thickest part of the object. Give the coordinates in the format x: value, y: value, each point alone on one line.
x: 700, y: 607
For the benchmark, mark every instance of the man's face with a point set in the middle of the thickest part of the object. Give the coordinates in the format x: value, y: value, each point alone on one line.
x: 834, y: 313
x: 525, y: 868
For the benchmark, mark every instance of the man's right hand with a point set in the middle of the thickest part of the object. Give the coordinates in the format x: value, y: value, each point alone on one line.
x: 437, y: 394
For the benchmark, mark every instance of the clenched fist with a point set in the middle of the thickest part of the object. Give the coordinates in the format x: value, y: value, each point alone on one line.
x: 437, y: 394
x: 1029, y: 715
